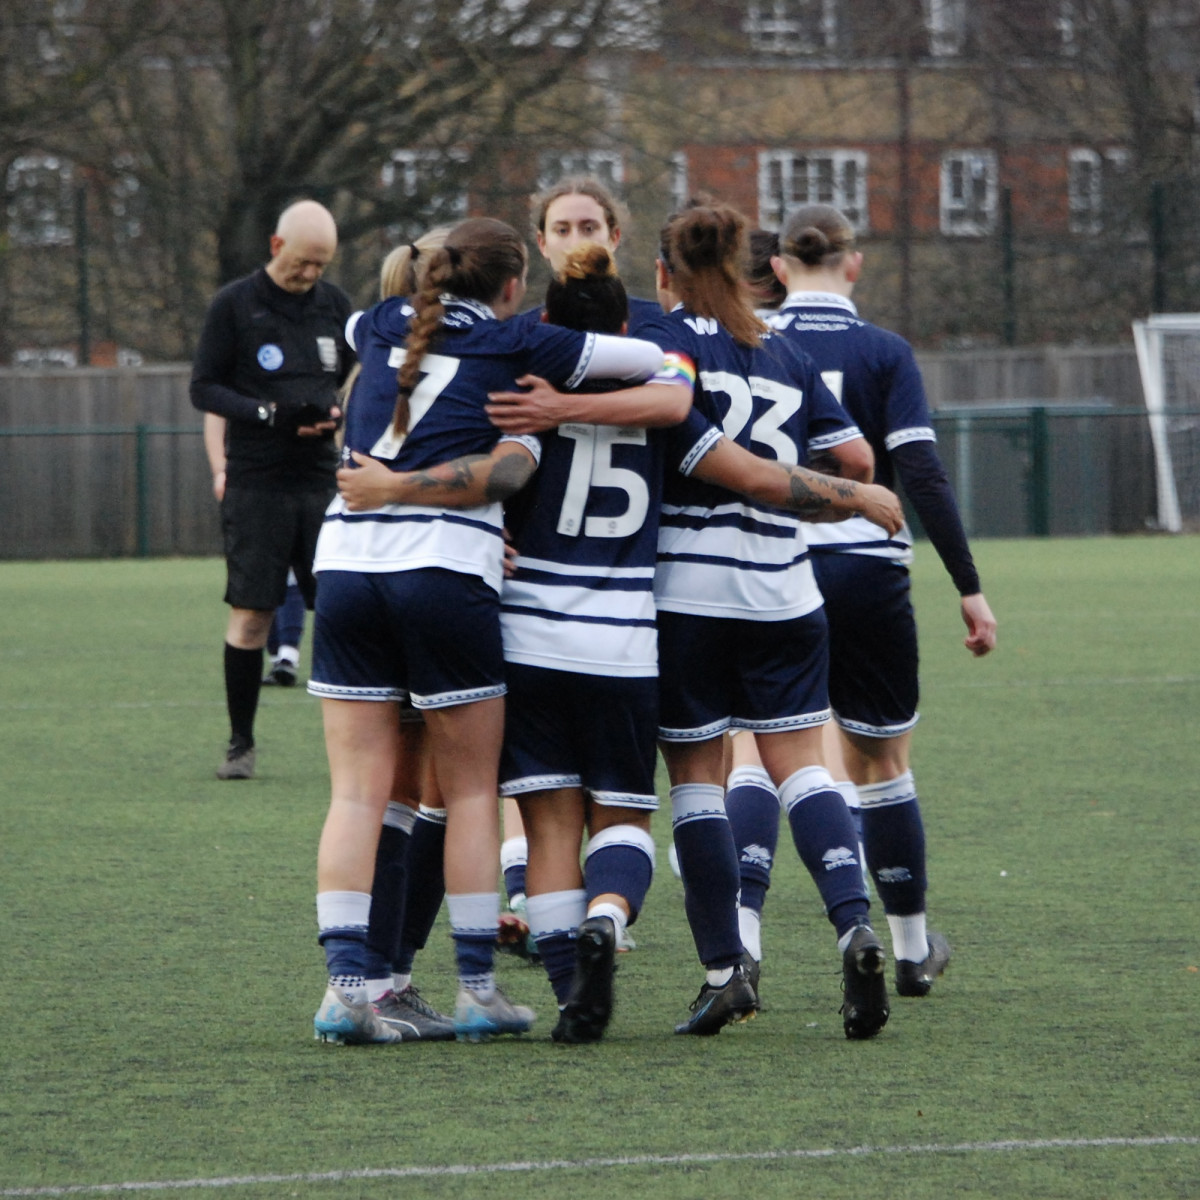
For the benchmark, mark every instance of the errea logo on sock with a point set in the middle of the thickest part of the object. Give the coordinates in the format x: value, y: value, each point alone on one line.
x: 893, y: 875
x: 838, y: 856
x: 756, y: 856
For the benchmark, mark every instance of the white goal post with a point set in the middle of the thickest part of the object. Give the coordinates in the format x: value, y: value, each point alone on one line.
x: 1168, y: 352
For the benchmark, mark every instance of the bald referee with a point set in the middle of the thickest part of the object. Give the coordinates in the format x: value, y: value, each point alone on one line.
x: 270, y: 360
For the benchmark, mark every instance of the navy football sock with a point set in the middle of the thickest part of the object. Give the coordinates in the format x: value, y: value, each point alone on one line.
x: 553, y: 919
x: 895, y: 842
x: 388, y: 891
x: 708, y: 864
x: 752, y: 806
x: 342, y: 919
x: 620, y: 861
x: 824, y: 836
x: 514, y: 858
x: 426, y: 885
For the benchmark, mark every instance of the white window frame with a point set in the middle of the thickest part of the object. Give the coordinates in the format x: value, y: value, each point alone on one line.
x: 788, y: 179
x: 126, y: 200
x: 36, y: 217
x: 681, y: 191
x: 792, y: 26
x: 608, y: 166
x: 404, y: 171
x: 1088, y: 198
x: 946, y: 21
x: 963, y: 215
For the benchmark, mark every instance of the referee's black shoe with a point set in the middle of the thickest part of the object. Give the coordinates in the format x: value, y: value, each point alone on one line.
x: 865, y: 1002
x: 716, y: 1007
x: 281, y: 674
x: 589, y: 1006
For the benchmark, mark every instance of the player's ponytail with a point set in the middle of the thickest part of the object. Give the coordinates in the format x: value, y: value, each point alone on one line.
x: 587, y: 294
x: 476, y: 260
x: 704, y: 250
x: 398, y: 272
x: 817, y: 235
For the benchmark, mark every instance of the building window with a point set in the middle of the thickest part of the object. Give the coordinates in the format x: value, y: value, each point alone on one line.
x: 40, y: 201
x: 681, y: 191
x: 792, y: 26
x: 127, y: 201
x: 603, y: 165
x: 427, y: 185
x: 946, y: 21
x: 969, y: 192
x: 789, y: 178
x: 1090, y: 186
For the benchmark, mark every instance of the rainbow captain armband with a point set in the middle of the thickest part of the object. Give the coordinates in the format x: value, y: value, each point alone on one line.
x: 676, y: 368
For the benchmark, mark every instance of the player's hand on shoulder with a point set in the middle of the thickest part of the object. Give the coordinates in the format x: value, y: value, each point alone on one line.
x: 532, y: 411
x: 980, y: 623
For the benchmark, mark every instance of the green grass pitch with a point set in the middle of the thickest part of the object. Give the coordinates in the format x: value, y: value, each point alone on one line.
x: 161, y: 968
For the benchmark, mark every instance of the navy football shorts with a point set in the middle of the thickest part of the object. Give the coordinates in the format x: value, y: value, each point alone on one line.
x: 717, y: 673
x: 872, y: 643
x: 568, y: 730
x: 431, y: 634
x: 265, y: 534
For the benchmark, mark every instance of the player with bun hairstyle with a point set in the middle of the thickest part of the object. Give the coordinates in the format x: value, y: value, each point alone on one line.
x: 409, y: 602
x: 863, y: 575
x: 576, y: 210
x: 717, y: 467
x: 741, y: 628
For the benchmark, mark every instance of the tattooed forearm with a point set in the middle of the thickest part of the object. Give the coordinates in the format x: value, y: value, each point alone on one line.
x: 456, y: 476
x: 508, y: 476
x: 814, y: 496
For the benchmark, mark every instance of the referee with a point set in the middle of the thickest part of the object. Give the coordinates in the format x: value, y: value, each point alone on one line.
x: 270, y: 360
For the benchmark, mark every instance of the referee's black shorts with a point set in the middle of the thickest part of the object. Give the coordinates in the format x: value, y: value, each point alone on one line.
x: 266, y: 533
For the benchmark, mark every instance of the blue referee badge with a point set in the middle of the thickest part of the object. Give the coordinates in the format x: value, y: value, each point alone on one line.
x: 270, y: 357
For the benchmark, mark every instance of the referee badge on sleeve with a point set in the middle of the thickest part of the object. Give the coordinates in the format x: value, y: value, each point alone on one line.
x: 327, y: 349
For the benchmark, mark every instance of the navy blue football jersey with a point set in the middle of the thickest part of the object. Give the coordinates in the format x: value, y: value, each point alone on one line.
x: 875, y: 376
x: 586, y: 531
x: 720, y: 555
x: 473, y: 355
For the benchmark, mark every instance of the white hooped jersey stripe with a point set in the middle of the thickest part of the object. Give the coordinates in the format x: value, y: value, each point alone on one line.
x: 582, y: 595
x: 720, y: 556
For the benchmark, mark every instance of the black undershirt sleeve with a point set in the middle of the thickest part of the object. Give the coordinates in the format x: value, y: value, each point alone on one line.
x: 926, y: 484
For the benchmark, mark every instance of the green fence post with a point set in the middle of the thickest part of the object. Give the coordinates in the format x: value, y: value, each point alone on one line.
x: 142, y: 488
x: 1039, y: 472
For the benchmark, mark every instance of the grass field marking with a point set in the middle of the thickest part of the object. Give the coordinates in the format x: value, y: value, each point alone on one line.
x: 591, y: 1164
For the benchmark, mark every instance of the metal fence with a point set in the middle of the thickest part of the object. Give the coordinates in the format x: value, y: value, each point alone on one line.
x: 111, y: 463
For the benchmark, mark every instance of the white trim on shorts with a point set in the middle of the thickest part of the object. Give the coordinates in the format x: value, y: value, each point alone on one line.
x: 451, y: 699
x: 337, y: 691
x: 779, y: 724
x: 876, y: 731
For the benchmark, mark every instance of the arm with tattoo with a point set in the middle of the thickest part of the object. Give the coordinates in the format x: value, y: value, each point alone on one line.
x: 812, y: 496
x: 466, y: 482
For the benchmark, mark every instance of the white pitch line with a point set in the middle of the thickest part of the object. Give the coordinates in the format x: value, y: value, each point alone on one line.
x: 589, y: 1164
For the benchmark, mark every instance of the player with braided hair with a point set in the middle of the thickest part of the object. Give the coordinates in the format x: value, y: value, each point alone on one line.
x: 409, y: 604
